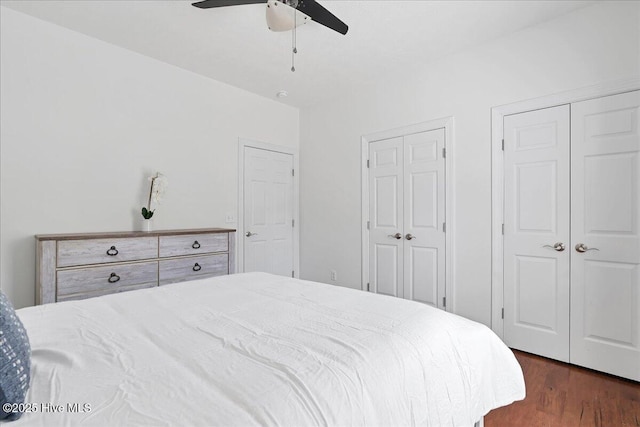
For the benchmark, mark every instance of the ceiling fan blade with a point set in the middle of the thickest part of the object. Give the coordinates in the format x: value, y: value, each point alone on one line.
x: 208, y: 4
x: 315, y: 11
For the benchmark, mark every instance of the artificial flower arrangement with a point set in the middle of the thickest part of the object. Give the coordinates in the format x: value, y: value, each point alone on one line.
x: 157, y: 190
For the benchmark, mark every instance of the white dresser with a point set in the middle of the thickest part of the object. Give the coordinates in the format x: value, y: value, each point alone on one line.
x: 78, y: 266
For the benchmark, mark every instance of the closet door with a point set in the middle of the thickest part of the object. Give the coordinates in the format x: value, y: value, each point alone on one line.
x: 605, y: 246
x: 385, y: 213
x: 536, y: 232
x: 407, y: 213
x: 424, y: 215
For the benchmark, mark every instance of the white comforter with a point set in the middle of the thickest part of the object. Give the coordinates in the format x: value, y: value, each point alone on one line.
x: 257, y: 349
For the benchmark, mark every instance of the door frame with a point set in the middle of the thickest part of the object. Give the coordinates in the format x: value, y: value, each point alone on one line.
x: 242, y: 144
x: 445, y: 123
x: 497, y: 174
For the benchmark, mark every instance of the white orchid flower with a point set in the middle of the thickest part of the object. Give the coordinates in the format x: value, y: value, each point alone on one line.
x: 157, y: 189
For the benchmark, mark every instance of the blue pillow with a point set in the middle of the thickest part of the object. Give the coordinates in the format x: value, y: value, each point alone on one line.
x: 15, y: 360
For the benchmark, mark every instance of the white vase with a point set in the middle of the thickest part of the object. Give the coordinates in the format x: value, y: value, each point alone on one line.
x: 147, y: 225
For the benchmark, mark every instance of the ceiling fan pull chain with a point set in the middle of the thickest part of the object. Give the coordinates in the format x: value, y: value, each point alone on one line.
x: 294, y: 49
x: 295, y: 31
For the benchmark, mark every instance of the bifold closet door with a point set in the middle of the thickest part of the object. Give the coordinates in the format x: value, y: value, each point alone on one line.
x: 407, y: 214
x: 536, y: 232
x: 605, y: 234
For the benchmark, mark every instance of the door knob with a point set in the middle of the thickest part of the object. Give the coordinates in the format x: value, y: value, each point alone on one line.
x: 396, y: 236
x: 249, y: 234
x: 581, y: 247
x: 557, y: 246
x: 410, y: 236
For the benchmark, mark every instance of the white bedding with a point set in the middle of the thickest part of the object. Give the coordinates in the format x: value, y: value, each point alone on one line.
x: 257, y: 349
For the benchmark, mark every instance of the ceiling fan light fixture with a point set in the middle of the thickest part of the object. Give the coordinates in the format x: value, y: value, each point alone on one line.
x: 282, y: 17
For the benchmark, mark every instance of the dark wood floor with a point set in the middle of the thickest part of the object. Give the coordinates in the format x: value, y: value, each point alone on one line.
x: 564, y: 395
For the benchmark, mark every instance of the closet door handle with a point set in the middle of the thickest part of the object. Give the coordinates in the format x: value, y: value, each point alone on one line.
x: 396, y: 236
x: 557, y: 246
x: 581, y: 247
x: 410, y: 236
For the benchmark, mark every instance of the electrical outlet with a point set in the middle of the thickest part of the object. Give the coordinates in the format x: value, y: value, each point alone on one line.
x: 230, y: 218
x: 334, y: 275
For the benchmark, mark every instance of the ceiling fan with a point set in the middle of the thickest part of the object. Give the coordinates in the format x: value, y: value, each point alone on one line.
x: 285, y: 15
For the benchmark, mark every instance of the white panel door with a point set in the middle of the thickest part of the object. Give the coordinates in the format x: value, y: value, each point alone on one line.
x: 605, y: 246
x: 424, y: 216
x: 407, y: 212
x: 268, y: 211
x: 536, y: 232
x: 385, y: 212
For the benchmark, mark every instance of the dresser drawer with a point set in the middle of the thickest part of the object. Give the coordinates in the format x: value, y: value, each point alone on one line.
x: 94, y: 281
x: 181, y: 269
x: 100, y: 251
x: 192, y: 244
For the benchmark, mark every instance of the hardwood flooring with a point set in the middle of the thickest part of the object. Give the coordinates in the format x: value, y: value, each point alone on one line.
x: 563, y: 395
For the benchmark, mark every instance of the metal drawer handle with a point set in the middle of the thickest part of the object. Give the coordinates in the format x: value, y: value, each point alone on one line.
x: 196, y: 245
x: 197, y: 267
x: 112, y: 251
x: 113, y: 278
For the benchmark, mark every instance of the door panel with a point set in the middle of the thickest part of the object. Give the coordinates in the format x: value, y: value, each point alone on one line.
x: 424, y: 216
x: 536, y: 286
x: 605, y: 204
x: 385, y: 213
x: 268, y: 207
x: 536, y: 197
x: 424, y: 275
x: 386, y: 201
x: 536, y: 217
x: 424, y: 210
x: 606, y: 211
x: 386, y: 270
x: 612, y: 327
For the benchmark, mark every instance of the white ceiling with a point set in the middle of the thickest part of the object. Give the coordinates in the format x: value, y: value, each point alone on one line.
x: 233, y: 44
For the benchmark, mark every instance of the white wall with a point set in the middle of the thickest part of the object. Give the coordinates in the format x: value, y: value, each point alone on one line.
x: 590, y: 46
x: 83, y: 123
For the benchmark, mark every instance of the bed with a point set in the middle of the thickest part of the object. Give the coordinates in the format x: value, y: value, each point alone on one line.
x: 258, y: 349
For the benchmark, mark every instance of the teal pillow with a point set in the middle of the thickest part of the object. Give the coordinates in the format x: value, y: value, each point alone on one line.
x: 15, y: 361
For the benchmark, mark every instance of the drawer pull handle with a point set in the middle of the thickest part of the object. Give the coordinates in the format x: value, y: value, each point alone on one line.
x: 197, y: 267
x: 113, y: 278
x: 196, y: 245
x: 112, y: 251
